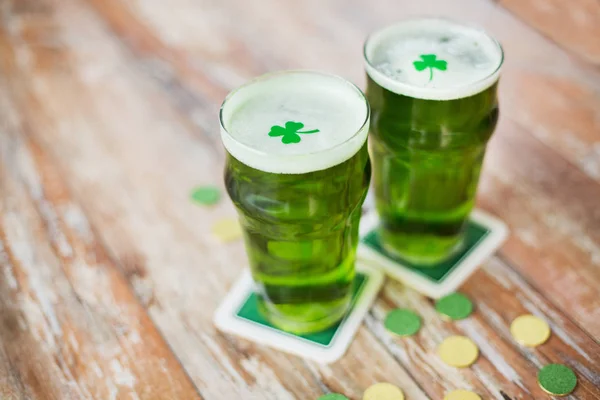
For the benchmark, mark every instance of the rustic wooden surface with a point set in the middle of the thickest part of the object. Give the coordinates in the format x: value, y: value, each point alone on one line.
x: 109, y: 275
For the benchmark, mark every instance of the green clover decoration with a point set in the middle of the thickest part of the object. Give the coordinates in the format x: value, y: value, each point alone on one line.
x: 290, y: 132
x: 430, y: 61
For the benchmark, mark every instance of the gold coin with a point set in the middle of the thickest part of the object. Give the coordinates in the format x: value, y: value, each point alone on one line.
x: 383, y: 391
x: 530, y: 330
x: 462, y: 395
x: 458, y: 351
x: 227, y: 229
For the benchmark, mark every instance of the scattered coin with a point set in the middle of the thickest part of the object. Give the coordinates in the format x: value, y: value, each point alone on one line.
x: 402, y: 322
x: 227, y: 229
x: 557, y: 379
x: 458, y: 351
x: 530, y: 330
x: 383, y: 391
x: 206, y: 195
x: 455, y: 306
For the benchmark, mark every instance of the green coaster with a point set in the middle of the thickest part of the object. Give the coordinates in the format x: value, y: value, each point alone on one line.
x: 333, y: 396
x: 456, y: 306
x: 438, y: 272
x: 483, y: 235
x: 239, y: 314
x: 557, y: 379
x: 402, y: 322
x: 206, y: 195
x: 249, y: 311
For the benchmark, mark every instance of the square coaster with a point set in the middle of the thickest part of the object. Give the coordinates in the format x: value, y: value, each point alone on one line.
x: 485, y: 234
x: 238, y: 314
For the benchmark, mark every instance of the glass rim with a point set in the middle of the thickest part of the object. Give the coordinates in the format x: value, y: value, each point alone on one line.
x: 442, y: 94
x: 269, y: 75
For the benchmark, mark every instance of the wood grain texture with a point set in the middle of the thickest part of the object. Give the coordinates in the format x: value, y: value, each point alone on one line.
x: 71, y: 326
x: 108, y: 112
x: 574, y: 25
x: 554, y: 239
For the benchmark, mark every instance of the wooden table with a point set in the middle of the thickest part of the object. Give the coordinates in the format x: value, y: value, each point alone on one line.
x: 109, y: 275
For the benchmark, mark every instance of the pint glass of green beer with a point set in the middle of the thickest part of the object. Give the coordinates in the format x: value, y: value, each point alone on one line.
x: 297, y: 170
x: 432, y: 88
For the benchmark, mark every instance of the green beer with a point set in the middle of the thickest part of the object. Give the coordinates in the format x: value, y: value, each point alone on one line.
x: 432, y: 88
x: 297, y: 171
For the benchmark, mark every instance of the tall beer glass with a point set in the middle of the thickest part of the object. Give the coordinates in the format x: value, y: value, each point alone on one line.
x: 298, y: 170
x: 432, y: 88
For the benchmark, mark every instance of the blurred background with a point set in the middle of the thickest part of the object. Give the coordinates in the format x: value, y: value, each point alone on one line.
x: 110, y: 275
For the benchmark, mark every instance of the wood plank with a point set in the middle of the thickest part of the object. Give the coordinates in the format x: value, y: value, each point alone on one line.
x: 551, y: 208
x: 72, y: 327
x: 560, y: 108
x: 10, y: 385
x: 574, y: 25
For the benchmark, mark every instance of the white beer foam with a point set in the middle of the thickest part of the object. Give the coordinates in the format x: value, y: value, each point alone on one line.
x: 334, y: 106
x: 473, y: 59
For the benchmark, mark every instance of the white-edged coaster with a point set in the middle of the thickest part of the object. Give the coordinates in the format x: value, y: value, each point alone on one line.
x: 485, y: 234
x: 238, y: 314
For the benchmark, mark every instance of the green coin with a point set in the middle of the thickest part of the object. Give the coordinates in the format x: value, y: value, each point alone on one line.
x: 455, y: 305
x: 333, y: 396
x: 557, y: 379
x: 206, y: 195
x: 402, y: 322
